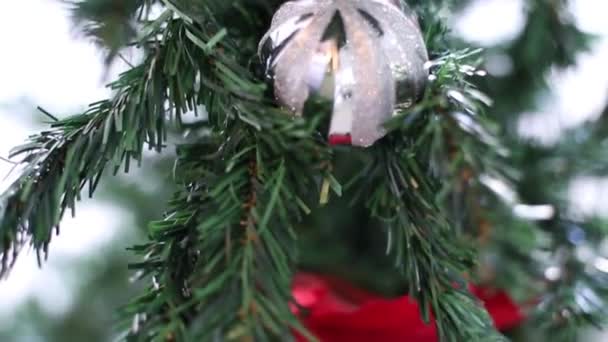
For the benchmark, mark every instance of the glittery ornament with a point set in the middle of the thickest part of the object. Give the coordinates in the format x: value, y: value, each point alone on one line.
x: 365, y: 55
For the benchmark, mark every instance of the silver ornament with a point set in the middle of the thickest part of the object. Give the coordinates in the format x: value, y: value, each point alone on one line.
x: 363, y: 54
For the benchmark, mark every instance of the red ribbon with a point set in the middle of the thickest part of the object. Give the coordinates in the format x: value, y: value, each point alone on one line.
x: 336, y: 311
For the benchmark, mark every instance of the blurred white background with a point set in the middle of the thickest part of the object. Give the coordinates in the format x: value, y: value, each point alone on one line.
x: 44, y: 63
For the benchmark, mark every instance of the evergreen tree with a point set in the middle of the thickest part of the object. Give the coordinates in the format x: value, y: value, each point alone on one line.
x: 260, y: 194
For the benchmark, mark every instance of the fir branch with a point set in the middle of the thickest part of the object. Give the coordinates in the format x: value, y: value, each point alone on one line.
x: 572, y: 284
x: 60, y: 162
x: 426, y: 247
x: 540, y: 259
x: 231, y: 231
x: 221, y: 261
x: 403, y: 180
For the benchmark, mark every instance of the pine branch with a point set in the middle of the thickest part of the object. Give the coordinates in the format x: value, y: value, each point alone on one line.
x: 402, y: 187
x: 176, y: 62
x: 470, y: 155
x: 60, y: 162
x: 230, y: 230
x: 221, y: 260
x: 429, y: 251
x: 573, y: 285
x: 431, y: 255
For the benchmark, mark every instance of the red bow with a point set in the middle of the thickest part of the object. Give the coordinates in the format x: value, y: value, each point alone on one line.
x: 336, y: 311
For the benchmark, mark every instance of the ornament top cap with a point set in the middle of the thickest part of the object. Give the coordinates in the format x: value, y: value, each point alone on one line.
x: 363, y: 54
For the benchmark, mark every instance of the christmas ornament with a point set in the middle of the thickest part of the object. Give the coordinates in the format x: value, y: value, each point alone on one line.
x: 336, y: 311
x: 363, y: 54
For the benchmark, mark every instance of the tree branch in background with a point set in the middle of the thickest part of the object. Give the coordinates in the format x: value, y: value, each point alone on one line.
x: 550, y: 28
x: 111, y: 24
